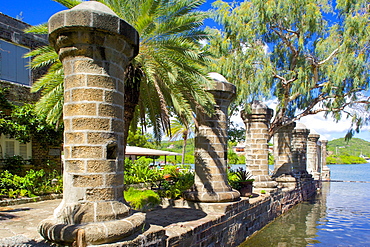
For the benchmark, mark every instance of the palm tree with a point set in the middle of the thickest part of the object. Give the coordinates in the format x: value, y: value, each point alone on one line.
x: 167, y: 75
x: 181, y: 129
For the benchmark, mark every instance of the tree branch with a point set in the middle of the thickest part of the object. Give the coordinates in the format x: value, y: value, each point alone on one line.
x: 329, y: 57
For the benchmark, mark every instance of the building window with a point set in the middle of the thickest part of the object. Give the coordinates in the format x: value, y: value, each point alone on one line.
x: 10, y: 147
x: 13, y: 66
x: 23, y: 150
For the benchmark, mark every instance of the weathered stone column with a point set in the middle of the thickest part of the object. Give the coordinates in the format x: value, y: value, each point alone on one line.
x: 211, y: 183
x: 312, y: 155
x: 94, y: 45
x: 325, y: 172
x: 256, y: 143
x: 299, y: 150
x: 283, y: 150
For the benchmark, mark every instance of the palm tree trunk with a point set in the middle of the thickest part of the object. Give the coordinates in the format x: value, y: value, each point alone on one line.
x: 183, y: 151
x: 132, y: 95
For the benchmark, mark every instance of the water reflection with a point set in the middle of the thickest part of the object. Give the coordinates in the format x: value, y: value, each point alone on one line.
x: 339, y: 216
x: 296, y: 228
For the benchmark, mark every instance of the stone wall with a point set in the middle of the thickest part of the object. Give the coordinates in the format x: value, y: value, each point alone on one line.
x: 225, y: 224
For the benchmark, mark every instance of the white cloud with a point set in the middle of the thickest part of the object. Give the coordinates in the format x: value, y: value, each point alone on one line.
x: 328, y: 128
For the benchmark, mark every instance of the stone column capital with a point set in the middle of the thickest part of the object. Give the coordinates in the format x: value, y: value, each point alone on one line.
x: 222, y: 90
x: 324, y: 142
x: 301, y: 132
x: 258, y: 112
x: 91, y: 16
x: 313, y: 137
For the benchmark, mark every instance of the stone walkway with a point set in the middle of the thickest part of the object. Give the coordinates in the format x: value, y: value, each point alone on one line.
x: 18, y: 223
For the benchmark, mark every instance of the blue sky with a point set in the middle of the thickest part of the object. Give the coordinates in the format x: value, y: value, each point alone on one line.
x: 39, y: 11
x: 36, y: 12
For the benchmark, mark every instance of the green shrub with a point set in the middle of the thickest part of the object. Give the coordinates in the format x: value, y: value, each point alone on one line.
x: 14, y: 164
x: 32, y: 184
x: 142, y: 199
x: 138, y: 171
x: 178, y: 182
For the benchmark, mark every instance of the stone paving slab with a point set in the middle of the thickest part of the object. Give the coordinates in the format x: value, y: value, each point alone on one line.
x: 18, y: 223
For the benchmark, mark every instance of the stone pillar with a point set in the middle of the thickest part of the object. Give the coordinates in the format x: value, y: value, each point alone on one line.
x: 299, y: 150
x: 283, y: 150
x: 256, y: 144
x: 94, y: 45
x: 325, y: 172
x: 211, y: 183
x: 312, y: 155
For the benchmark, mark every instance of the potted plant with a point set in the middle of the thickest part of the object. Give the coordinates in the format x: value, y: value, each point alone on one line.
x: 245, y: 181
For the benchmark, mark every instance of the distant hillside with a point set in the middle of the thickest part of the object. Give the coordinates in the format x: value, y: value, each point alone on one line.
x: 354, y: 147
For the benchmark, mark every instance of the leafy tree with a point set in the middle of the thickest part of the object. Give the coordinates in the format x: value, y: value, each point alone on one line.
x: 23, y: 124
x: 139, y: 139
x: 303, y: 53
x: 167, y: 75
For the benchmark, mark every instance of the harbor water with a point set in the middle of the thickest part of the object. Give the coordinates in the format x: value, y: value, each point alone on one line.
x: 338, y: 216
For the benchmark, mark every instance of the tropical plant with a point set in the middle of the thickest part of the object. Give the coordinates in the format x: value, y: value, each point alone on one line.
x: 181, y: 129
x: 34, y: 182
x: 167, y: 75
x: 139, y: 139
x: 243, y: 175
x: 177, y: 182
x: 138, y: 171
x: 303, y: 54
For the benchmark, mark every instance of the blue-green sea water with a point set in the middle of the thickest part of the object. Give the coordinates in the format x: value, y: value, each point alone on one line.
x: 338, y: 216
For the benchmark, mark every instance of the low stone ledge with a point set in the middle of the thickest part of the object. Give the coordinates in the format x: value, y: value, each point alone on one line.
x: 224, y: 224
x: 17, y: 201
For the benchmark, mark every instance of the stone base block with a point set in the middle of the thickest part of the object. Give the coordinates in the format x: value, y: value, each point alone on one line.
x: 316, y: 175
x: 325, y: 174
x: 201, y: 196
x: 94, y: 233
x: 265, y: 184
x: 286, y: 181
x: 266, y: 191
x: 89, y: 212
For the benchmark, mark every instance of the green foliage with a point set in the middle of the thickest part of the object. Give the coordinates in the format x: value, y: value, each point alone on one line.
x: 232, y: 157
x: 238, y: 175
x: 14, y: 164
x: 233, y: 179
x: 139, y: 139
x: 24, y: 125
x: 345, y: 159
x: 355, y: 147
x: 294, y: 52
x: 138, y: 171
x: 32, y: 184
x: 243, y: 175
x: 271, y: 159
x: 236, y: 133
x: 176, y: 183
x: 177, y: 147
x: 142, y: 199
x: 167, y: 75
x: 170, y: 182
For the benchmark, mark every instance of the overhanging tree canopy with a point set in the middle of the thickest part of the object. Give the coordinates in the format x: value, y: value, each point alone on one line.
x: 308, y: 56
